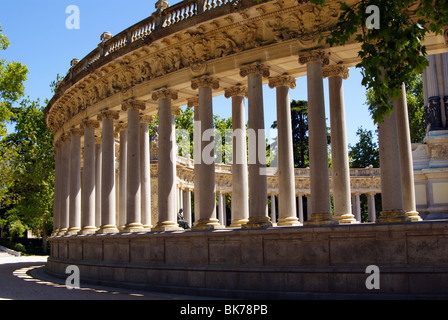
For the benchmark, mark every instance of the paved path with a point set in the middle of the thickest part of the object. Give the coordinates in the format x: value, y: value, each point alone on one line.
x: 24, y: 278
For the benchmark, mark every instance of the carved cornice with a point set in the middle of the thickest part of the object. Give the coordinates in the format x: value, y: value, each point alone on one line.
x: 134, y: 105
x: 254, y: 68
x: 316, y: 55
x: 164, y: 93
x: 336, y: 70
x: 205, y: 82
x: 283, y: 80
x: 236, y: 91
x: 108, y: 114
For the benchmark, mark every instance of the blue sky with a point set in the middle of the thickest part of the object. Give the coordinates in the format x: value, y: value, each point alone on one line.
x: 40, y: 40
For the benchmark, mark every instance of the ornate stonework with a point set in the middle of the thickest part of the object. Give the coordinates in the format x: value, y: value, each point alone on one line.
x: 254, y: 68
x: 314, y: 56
x: 234, y: 91
x: 205, y: 82
x: 336, y: 70
x: 283, y: 80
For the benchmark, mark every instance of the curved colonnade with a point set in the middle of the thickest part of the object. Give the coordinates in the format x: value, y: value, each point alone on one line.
x: 185, y: 55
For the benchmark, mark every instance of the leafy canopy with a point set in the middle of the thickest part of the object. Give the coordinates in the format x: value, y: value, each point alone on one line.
x: 393, y: 53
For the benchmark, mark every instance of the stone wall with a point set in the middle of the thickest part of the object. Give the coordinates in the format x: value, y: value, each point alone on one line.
x: 271, y: 263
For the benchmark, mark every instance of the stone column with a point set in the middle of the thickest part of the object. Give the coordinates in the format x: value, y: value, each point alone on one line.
x: 75, y: 182
x: 371, y: 207
x: 98, y: 172
x: 108, y: 220
x: 133, y: 182
x: 187, y: 206
x: 167, y: 162
x: 391, y: 190
x: 57, y: 187
x: 206, y: 167
x: 88, y: 181
x: 357, y: 207
x: 65, y: 184
x: 300, y: 205
x: 319, y: 179
x: 240, y: 187
x: 122, y: 180
x: 145, y: 172
x: 194, y: 103
x: 286, y: 178
x: 339, y: 145
x: 273, y: 209
x: 221, y: 209
x: 406, y: 164
x: 258, y: 204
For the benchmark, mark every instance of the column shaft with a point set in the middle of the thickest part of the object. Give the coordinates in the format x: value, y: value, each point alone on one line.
x: 286, y: 178
x: 391, y: 190
x: 57, y: 188
x: 75, y: 182
x: 145, y: 172
x: 339, y: 147
x: 167, y: 164
x: 108, y: 220
x: 88, y: 181
x: 371, y: 207
x: 98, y: 173
x: 406, y: 164
x: 65, y: 184
x: 133, y: 182
x: 240, y: 187
x: 122, y: 177
x: 258, y: 204
x: 206, y: 168
x: 319, y: 180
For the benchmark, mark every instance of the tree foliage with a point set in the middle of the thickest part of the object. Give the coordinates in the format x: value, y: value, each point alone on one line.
x: 393, y: 53
x: 365, y: 152
x: 12, y: 76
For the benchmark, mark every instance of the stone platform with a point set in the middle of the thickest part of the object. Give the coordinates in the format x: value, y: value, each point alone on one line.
x: 274, y: 263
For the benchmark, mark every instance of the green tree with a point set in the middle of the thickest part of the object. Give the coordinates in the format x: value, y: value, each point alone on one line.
x: 12, y: 76
x: 365, y: 152
x: 28, y: 152
x: 392, y: 53
x: 415, y: 101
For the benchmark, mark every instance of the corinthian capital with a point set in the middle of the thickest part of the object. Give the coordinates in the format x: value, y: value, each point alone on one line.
x: 108, y: 114
x: 282, y: 81
x: 236, y: 91
x: 164, y: 93
x: 254, y: 68
x: 205, y: 82
x: 317, y: 55
x: 133, y: 104
x: 335, y: 70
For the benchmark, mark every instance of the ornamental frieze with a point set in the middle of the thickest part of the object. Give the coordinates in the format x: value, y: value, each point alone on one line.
x: 193, y: 49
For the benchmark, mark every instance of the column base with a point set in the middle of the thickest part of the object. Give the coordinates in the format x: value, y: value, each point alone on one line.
x: 166, y: 226
x: 87, y: 230
x: 347, y: 218
x: 393, y: 216
x: 212, y: 224
x: 107, y: 229
x: 147, y: 227
x: 72, y: 231
x: 55, y: 233
x: 133, y: 227
x: 258, y: 223
x: 414, y: 216
x: 62, y: 232
x: 290, y: 221
x: 321, y: 219
x: 238, y: 223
